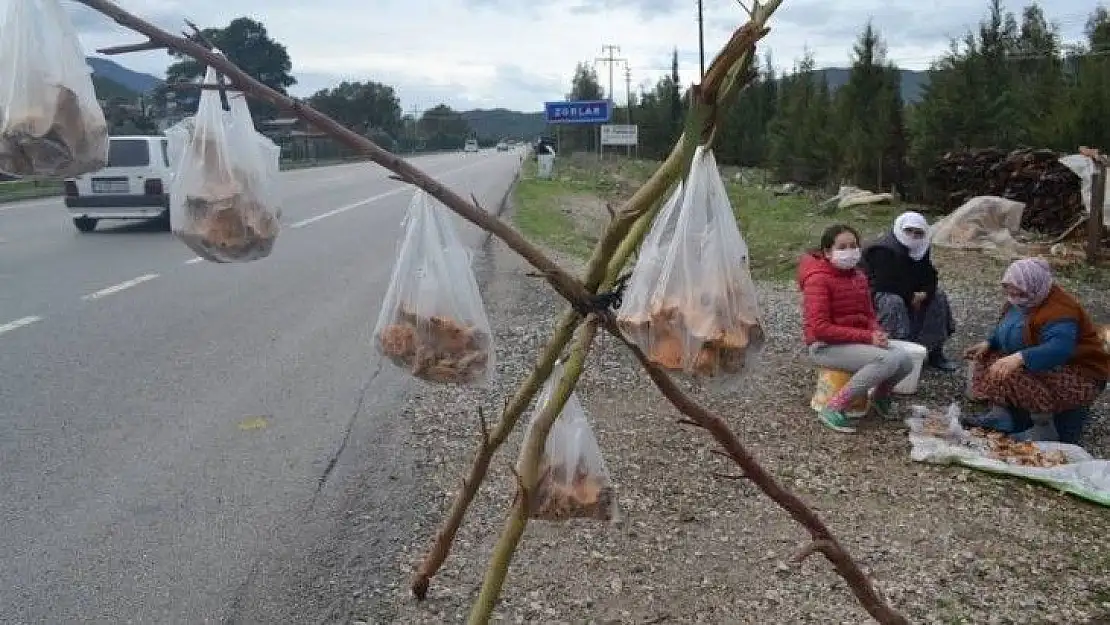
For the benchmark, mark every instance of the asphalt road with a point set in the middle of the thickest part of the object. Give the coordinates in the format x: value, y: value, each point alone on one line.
x: 165, y: 422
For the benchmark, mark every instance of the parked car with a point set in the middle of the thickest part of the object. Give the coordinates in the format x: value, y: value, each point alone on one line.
x: 134, y: 184
x: 471, y: 145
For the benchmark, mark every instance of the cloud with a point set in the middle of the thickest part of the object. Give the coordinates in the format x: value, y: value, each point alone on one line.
x: 516, y: 54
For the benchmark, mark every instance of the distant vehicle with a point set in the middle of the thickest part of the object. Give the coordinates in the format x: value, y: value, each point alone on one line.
x: 471, y: 145
x: 502, y: 146
x: 133, y: 185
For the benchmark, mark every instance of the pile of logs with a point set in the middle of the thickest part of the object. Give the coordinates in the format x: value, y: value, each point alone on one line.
x: 1049, y: 190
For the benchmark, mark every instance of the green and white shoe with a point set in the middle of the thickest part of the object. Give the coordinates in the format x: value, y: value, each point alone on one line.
x: 836, y: 420
x: 884, y: 407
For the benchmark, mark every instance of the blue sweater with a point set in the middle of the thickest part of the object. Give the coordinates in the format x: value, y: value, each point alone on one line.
x: 1058, y: 341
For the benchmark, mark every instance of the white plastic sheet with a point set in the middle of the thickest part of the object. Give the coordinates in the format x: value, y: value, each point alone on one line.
x: 50, y: 121
x: 1083, y: 476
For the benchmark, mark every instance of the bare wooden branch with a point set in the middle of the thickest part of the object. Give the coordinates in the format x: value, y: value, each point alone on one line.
x: 718, y: 428
x: 185, y: 86
x: 483, y: 426
x: 718, y: 83
x: 133, y: 47
x: 809, y: 549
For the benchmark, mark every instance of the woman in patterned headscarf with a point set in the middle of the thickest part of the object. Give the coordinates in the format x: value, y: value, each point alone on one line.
x: 1044, y: 363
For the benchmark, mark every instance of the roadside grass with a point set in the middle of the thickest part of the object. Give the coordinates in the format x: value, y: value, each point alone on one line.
x: 776, y: 228
x: 16, y: 190
x: 568, y: 212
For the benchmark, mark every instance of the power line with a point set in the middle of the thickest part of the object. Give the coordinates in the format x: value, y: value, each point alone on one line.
x: 611, y: 60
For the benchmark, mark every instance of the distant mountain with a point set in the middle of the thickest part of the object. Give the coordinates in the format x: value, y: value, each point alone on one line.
x: 135, y: 82
x: 493, y: 124
x: 107, y: 89
x: 913, y: 81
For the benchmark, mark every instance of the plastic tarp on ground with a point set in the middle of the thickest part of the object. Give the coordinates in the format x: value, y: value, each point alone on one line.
x: 1084, y: 476
x: 1084, y: 167
x: 984, y: 222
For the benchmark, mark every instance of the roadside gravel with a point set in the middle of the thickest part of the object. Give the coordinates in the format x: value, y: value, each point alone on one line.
x: 945, y: 545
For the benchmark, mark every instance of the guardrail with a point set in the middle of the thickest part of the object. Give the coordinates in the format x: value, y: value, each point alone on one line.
x: 18, y: 190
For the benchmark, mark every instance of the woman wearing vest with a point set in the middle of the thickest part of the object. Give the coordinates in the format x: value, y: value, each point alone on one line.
x: 1043, y: 365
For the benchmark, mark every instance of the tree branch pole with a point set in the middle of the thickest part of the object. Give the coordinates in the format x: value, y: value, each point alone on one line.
x: 598, y: 274
x: 822, y: 539
x: 564, y: 284
x: 528, y: 477
x: 569, y: 288
x: 620, y: 239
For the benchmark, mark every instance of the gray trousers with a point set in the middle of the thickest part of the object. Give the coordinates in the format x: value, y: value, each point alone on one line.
x: 870, y: 365
x: 931, y: 326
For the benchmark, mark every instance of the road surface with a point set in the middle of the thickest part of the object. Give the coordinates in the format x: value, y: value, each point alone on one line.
x: 166, y: 422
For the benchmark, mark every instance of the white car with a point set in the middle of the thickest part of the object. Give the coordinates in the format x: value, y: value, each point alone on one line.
x: 134, y: 185
x: 471, y: 145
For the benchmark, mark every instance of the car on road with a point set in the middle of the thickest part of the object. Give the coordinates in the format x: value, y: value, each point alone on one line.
x: 471, y: 145
x: 502, y: 146
x: 133, y: 185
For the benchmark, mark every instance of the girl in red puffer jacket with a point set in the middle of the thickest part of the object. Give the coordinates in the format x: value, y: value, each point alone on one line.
x: 842, y: 330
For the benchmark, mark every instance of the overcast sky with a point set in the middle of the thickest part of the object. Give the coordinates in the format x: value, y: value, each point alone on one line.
x: 518, y: 53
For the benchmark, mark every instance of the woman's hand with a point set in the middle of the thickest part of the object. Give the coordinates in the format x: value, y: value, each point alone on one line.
x: 977, y: 351
x: 880, y: 339
x: 1007, y: 366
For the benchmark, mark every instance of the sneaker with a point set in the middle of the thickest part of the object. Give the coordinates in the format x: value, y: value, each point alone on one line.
x: 836, y: 420
x: 883, y: 406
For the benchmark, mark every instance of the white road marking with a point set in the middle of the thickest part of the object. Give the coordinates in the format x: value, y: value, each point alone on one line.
x: 407, y: 188
x: 19, y: 323
x: 342, y: 209
x: 194, y: 260
x: 33, y: 203
x: 122, y: 286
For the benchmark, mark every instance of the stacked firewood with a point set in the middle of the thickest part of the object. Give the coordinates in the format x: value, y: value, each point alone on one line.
x: 1049, y: 190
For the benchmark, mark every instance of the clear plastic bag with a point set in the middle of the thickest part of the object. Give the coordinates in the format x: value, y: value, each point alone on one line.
x: 224, y: 201
x: 433, y: 323
x: 691, y: 304
x: 51, y: 123
x: 943, y: 425
x: 573, y: 480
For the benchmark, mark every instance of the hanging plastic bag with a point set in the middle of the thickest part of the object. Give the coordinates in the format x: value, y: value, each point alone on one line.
x: 573, y: 480
x: 432, y: 322
x: 691, y: 304
x: 224, y: 201
x: 51, y: 123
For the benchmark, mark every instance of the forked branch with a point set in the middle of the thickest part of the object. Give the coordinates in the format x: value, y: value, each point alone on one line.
x: 726, y: 71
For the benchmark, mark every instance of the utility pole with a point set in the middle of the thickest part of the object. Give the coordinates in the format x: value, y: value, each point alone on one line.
x: 415, y: 127
x: 628, y: 98
x: 701, y: 40
x: 611, y: 60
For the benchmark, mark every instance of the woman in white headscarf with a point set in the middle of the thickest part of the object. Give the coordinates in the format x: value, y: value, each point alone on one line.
x: 904, y: 285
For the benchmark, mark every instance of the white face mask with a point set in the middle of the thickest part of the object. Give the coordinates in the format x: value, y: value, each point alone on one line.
x: 846, y: 259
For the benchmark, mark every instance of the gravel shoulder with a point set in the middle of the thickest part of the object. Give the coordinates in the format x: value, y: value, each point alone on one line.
x: 945, y: 545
